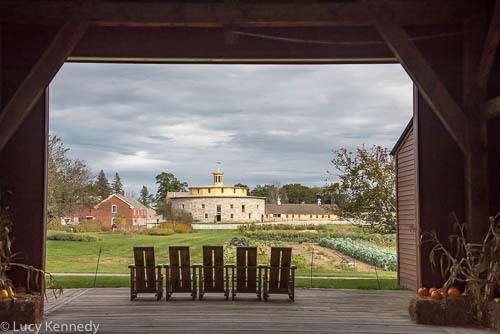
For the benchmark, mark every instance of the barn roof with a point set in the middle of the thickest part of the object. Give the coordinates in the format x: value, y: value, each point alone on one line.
x: 133, y: 203
x: 402, y: 137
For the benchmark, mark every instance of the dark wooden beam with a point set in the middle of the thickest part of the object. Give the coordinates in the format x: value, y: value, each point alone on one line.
x: 429, y: 84
x: 492, y: 108
x: 211, y: 14
x: 489, y: 49
x: 34, y: 84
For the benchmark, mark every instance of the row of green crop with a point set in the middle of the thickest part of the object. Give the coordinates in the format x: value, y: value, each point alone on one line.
x: 304, y: 236
x: 371, y: 254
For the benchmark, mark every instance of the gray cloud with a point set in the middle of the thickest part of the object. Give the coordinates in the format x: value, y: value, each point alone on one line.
x: 265, y: 123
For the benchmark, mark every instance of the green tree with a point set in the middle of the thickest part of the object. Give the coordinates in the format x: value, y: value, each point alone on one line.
x: 271, y: 192
x: 241, y: 185
x: 367, y: 179
x: 117, y: 186
x: 165, y: 209
x: 101, y: 186
x: 145, y: 197
x: 168, y: 182
x: 69, y: 181
x: 297, y: 193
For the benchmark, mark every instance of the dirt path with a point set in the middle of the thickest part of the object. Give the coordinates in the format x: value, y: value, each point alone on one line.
x: 328, y: 258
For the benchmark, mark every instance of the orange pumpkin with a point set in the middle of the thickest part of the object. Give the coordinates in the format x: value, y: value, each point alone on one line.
x: 423, y: 292
x: 4, y: 294
x: 20, y: 289
x: 436, y: 295
x: 431, y: 290
x: 453, y: 292
x: 497, y: 300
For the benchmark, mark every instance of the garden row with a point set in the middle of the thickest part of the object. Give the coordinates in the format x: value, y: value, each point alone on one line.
x: 316, y: 236
x: 370, y: 254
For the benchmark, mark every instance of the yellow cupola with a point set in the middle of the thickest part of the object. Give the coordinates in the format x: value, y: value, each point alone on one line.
x: 218, y: 178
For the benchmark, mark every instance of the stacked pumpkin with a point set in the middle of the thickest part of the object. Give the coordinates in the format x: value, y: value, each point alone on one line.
x: 440, y: 293
x: 4, y: 293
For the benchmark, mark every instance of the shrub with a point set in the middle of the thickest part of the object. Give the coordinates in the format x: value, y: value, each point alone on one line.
x: 371, y: 254
x: 65, y: 236
x: 177, y: 227
x: 91, y: 226
x: 55, y: 224
x: 160, y: 231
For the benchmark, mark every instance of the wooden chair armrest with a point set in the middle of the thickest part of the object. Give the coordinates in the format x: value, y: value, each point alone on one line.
x: 166, y: 265
x: 262, y: 266
x: 131, y: 266
x: 230, y: 265
x: 197, y: 265
x: 293, y: 267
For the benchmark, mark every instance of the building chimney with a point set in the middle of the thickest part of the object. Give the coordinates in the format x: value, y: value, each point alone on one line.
x: 123, y: 192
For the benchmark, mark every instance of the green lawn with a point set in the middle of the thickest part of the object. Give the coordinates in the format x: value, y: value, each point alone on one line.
x: 119, y: 282
x: 117, y: 252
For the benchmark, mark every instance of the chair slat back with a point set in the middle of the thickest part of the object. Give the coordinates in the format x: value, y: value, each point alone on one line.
x: 246, y: 269
x: 180, y: 268
x: 279, y: 276
x: 145, y: 271
x: 213, y: 268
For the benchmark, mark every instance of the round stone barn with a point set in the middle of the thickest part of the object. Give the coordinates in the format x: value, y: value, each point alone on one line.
x: 219, y: 203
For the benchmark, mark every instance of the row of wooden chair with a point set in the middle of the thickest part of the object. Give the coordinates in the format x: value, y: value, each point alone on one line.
x: 213, y: 276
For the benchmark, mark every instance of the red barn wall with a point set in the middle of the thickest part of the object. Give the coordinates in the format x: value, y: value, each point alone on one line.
x: 406, y: 213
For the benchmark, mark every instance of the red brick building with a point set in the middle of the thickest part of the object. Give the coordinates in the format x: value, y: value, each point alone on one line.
x: 79, y: 217
x: 118, y: 205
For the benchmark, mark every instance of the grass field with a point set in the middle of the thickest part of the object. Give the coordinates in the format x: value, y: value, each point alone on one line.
x: 117, y: 253
x: 68, y: 282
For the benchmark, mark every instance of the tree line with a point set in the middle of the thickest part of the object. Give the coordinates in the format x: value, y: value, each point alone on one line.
x: 72, y: 186
x: 365, y: 190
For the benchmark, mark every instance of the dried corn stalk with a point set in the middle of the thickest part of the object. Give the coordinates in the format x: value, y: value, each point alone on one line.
x: 476, y: 265
x: 8, y: 259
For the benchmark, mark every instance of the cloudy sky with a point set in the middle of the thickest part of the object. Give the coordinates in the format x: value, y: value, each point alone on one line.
x: 264, y: 123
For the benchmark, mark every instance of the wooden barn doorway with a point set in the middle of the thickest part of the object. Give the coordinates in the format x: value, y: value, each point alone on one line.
x: 448, y: 49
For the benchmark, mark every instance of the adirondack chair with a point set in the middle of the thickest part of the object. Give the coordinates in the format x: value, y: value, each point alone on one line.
x: 247, y: 280
x: 281, y: 279
x: 212, y: 272
x: 181, y: 275
x: 145, y: 276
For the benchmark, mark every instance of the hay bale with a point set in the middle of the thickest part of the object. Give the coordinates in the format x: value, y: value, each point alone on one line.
x: 24, y: 309
x: 450, y: 311
x: 493, y: 316
x: 426, y: 311
x: 458, y: 311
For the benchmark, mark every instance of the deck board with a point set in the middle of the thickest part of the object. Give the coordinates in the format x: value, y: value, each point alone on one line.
x: 315, y: 311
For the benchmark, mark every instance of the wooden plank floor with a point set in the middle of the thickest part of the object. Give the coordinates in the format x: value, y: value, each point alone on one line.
x: 315, y: 311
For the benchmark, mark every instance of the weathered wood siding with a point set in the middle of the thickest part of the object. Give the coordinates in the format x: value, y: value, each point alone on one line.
x: 406, y: 202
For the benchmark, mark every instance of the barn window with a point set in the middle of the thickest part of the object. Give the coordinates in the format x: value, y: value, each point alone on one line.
x: 203, y: 206
x: 232, y: 216
x: 114, y: 209
x: 221, y: 190
x: 242, y: 208
x: 183, y: 206
x: 206, y: 215
x: 231, y: 206
x: 249, y: 216
x: 209, y: 190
